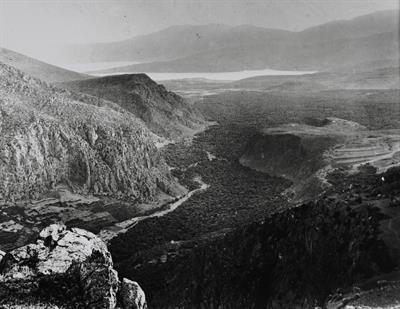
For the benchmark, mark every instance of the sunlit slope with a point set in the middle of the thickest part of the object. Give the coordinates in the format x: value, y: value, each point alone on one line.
x: 52, y: 137
x: 38, y: 69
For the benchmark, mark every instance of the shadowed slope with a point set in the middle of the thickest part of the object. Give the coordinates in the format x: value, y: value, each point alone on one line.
x: 164, y: 112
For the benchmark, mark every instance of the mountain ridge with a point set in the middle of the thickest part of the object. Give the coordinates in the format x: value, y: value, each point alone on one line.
x: 165, y: 113
x: 51, y: 136
x: 299, y: 56
x: 36, y: 68
x: 208, y: 48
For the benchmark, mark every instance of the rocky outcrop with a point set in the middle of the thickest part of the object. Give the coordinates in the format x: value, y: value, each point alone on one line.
x: 50, y: 136
x: 385, y: 294
x: 66, y: 266
x: 164, y: 112
x: 132, y: 296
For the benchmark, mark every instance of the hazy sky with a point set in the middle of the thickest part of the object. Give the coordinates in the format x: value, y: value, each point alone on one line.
x: 33, y: 27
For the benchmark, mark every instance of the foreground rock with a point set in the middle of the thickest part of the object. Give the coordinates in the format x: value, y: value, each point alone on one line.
x: 385, y: 295
x: 68, y: 268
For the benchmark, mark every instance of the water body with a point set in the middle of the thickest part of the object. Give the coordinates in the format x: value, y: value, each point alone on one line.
x: 220, y: 76
x: 96, y: 66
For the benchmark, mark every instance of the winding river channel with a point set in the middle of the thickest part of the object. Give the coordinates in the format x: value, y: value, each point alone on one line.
x: 122, y: 227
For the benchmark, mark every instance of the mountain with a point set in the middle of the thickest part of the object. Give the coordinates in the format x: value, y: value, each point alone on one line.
x: 51, y: 137
x: 164, y: 112
x: 172, y: 43
x: 361, y: 26
x: 292, y: 55
x: 38, y: 69
x: 213, y: 48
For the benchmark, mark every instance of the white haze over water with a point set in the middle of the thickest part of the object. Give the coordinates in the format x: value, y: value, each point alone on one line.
x: 95, y: 66
x: 220, y: 76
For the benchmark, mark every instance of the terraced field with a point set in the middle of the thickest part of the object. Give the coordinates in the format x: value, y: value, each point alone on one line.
x: 306, y: 154
x: 379, y: 149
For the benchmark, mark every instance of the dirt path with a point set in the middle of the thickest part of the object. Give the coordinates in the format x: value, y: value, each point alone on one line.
x: 122, y: 227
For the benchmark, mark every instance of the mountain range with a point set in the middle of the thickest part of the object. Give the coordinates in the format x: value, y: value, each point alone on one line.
x: 215, y: 48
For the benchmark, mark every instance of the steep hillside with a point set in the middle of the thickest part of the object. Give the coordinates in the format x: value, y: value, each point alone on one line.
x: 51, y: 137
x: 164, y: 112
x: 38, y: 69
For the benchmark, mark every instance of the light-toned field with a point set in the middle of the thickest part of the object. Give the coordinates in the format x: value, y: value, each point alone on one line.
x: 378, y: 148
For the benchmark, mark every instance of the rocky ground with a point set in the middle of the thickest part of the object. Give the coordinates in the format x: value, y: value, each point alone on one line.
x: 72, y: 158
x: 65, y: 268
x: 235, y: 245
x: 20, y: 222
x: 385, y: 296
x: 51, y: 137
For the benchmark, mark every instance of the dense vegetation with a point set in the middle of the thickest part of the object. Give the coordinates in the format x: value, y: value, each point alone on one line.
x: 237, y: 195
x: 376, y: 109
x: 295, y: 258
x: 238, y: 244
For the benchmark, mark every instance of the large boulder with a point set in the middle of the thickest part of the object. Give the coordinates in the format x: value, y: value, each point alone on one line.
x: 131, y: 295
x: 69, y: 267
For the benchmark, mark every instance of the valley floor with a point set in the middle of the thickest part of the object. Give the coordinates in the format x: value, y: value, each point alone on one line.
x: 152, y: 251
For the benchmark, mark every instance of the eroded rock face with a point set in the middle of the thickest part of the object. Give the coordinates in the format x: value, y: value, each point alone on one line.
x: 67, y: 266
x: 50, y: 137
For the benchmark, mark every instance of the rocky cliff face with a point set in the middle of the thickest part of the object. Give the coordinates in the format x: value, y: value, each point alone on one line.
x: 50, y: 136
x: 70, y: 268
x: 164, y: 112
